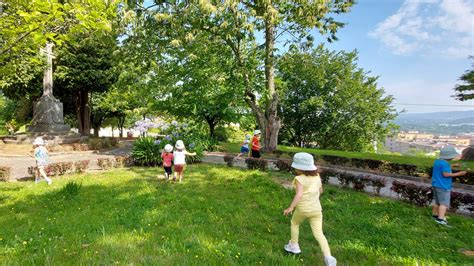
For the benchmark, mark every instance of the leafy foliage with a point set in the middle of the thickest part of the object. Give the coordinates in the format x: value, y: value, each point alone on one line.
x: 70, y: 190
x: 331, y: 102
x: 256, y: 163
x: 5, y: 173
x: 229, y: 160
x: 145, y: 152
x: 465, y: 91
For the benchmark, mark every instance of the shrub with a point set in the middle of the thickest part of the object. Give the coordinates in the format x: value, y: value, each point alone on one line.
x: 102, y: 143
x: 229, y: 160
x: 257, y: 163
x: 345, y: 179
x: 468, y: 154
x: 468, y: 178
x: 105, y: 163
x: 196, y: 158
x: 146, y: 153
x: 360, y: 182
x: 80, y: 147
x: 5, y: 173
x: 336, y: 160
x: 81, y: 166
x: 122, y: 161
x: 377, y: 183
x: 283, y: 165
x: 326, y: 174
x: 418, y: 194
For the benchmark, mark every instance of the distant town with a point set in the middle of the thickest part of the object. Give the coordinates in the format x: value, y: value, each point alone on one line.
x: 410, y: 142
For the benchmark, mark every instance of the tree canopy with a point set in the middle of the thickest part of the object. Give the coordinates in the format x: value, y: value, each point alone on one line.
x: 330, y: 102
x: 465, y: 91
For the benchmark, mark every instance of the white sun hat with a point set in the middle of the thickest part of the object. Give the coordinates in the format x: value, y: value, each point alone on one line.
x: 448, y: 152
x: 303, y: 161
x: 256, y: 132
x: 38, y: 141
x: 179, y: 145
x: 168, y: 148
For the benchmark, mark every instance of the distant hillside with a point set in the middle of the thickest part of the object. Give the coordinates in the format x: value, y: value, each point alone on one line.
x: 453, y: 123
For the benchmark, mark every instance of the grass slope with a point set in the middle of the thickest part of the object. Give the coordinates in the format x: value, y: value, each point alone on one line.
x: 217, y: 216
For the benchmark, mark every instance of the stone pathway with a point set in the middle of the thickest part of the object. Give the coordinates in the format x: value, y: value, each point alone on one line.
x: 20, y: 163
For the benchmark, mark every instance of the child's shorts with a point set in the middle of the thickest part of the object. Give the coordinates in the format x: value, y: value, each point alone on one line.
x: 167, y: 169
x: 244, y: 150
x: 178, y: 168
x: 441, y: 196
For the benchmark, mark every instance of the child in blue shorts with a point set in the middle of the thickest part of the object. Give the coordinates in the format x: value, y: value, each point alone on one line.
x: 244, y: 149
x: 442, y: 182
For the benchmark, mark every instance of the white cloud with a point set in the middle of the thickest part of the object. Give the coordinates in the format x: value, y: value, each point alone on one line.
x: 430, y: 27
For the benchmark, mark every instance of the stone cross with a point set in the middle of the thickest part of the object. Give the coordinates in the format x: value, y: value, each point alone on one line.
x: 48, y: 72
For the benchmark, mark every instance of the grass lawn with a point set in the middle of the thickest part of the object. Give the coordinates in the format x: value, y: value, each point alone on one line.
x: 420, y: 161
x: 217, y: 216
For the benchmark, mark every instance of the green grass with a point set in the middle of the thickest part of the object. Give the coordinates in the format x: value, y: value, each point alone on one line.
x: 217, y: 216
x: 420, y: 161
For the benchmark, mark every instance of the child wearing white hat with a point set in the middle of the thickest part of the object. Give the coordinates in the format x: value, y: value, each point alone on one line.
x: 306, y: 204
x: 180, y: 159
x: 442, y: 182
x: 167, y: 157
x: 40, y: 154
x: 244, y: 149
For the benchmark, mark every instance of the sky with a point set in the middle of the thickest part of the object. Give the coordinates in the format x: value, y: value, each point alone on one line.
x: 418, y: 48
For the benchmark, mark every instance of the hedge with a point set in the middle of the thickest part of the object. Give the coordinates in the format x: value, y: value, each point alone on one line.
x: 5, y: 173
x: 382, y: 166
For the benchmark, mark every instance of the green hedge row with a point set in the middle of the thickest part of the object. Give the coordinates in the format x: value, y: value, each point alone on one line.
x: 379, y: 166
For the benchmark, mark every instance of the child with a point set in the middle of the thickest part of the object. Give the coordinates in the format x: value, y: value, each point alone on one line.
x: 180, y: 159
x: 244, y: 149
x: 41, y: 156
x: 256, y: 144
x: 308, y: 187
x: 167, y: 157
x: 442, y: 182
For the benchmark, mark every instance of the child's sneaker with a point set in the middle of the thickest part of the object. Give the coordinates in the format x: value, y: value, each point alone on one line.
x: 292, y: 248
x: 434, y: 216
x: 442, y: 222
x: 330, y: 261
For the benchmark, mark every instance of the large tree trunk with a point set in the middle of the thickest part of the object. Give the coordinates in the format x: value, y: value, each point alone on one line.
x: 212, y: 123
x: 121, y: 122
x: 83, y: 112
x: 270, y: 139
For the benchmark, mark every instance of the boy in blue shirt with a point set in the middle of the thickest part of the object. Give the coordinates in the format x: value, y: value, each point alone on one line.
x: 442, y: 182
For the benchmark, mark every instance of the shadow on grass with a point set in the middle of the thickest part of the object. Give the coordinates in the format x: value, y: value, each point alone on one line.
x: 218, y: 215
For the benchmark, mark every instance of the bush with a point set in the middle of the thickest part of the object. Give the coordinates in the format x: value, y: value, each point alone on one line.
x: 146, y: 153
x: 468, y: 154
x: 377, y: 183
x: 80, y: 147
x: 196, y: 158
x: 5, y: 173
x: 417, y: 194
x: 229, y: 160
x: 326, y: 174
x: 102, y: 143
x: 81, y: 166
x: 122, y: 161
x: 256, y: 163
x: 335, y: 160
x: 468, y: 178
x: 105, y: 163
x: 345, y: 179
x: 360, y: 182
x: 283, y: 165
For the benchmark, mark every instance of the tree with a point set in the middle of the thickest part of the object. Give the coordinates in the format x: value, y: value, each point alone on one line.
x: 28, y: 25
x: 331, y: 102
x: 235, y: 24
x: 83, y: 67
x: 465, y: 91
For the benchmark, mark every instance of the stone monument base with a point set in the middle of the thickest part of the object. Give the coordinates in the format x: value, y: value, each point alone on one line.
x: 48, y: 116
x: 49, y: 138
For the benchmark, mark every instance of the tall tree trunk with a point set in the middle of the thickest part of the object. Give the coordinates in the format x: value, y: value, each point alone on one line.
x: 121, y: 122
x: 96, y: 131
x: 83, y: 112
x: 212, y: 123
x: 273, y: 124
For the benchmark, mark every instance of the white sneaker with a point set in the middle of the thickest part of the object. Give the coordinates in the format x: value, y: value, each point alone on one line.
x: 330, y: 261
x: 292, y: 248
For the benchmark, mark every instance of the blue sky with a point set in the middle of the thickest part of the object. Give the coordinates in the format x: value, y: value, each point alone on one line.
x: 418, y: 48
